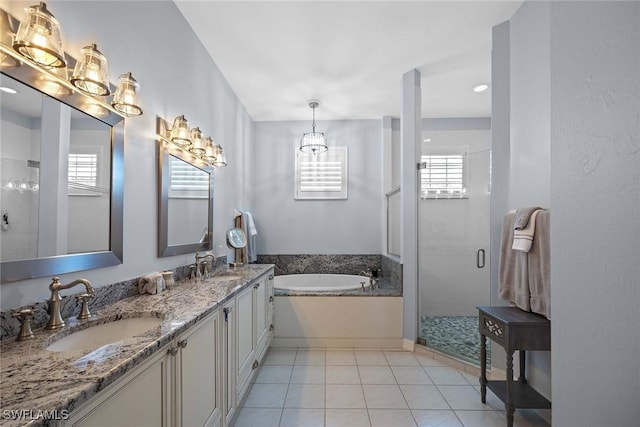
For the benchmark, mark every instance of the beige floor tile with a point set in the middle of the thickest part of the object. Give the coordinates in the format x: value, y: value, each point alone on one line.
x: 305, y: 396
x: 411, y: 375
x: 308, y: 374
x: 376, y: 375
x: 371, y: 358
x: 251, y: 417
x: 274, y: 374
x: 310, y: 357
x: 492, y: 399
x: 428, y: 361
x: 480, y: 419
x: 525, y: 418
x: 401, y: 358
x: 436, y: 418
x: 340, y: 357
x: 280, y: 357
x: 266, y: 396
x: 424, y: 397
x: 464, y: 397
x: 347, y: 417
x: 445, y: 375
x: 471, y: 378
x: 298, y: 417
x: 391, y: 418
x: 383, y: 397
x: 344, y: 396
x: 342, y: 375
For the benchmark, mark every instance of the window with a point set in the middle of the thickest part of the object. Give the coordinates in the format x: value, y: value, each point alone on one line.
x: 83, y: 175
x: 322, y: 176
x: 187, y: 181
x: 443, y: 176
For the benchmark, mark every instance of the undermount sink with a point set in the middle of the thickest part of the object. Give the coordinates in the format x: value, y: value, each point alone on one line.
x: 105, y: 333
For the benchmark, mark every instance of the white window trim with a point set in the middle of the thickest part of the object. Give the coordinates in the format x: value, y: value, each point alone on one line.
x: 195, y: 185
x: 89, y: 190
x: 452, y: 188
x: 339, y: 157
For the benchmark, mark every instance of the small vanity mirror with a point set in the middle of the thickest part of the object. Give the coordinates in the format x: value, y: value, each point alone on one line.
x: 237, y: 240
x: 186, y: 203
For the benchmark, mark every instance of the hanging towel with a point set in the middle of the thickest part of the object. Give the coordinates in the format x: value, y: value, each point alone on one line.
x: 522, y: 217
x: 539, y: 266
x: 251, y: 225
x: 247, y: 219
x: 523, y: 238
x: 513, y: 277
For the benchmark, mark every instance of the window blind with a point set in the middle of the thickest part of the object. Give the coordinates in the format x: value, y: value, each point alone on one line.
x: 443, y: 176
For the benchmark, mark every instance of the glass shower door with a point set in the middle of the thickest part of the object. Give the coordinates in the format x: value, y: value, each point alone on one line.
x: 454, y: 241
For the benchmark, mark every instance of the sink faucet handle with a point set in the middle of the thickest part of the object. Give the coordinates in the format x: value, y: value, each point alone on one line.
x: 84, y: 309
x: 24, y: 315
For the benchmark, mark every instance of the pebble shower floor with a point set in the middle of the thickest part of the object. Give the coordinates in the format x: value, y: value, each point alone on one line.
x: 456, y: 336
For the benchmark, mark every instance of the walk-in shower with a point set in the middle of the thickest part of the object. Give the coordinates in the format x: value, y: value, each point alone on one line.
x: 453, y: 249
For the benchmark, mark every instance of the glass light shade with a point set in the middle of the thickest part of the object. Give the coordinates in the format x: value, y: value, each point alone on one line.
x: 91, y: 74
x: 6, y: 37
x: 125, y: 99
x: 180, y: 132
x: 209, y: 150
x: 221, y: 160
x: 313, y: 142
x: 38, y: 38
x: 197, y: 146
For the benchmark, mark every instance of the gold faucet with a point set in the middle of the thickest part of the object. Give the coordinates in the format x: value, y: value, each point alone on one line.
x: 55, y: 319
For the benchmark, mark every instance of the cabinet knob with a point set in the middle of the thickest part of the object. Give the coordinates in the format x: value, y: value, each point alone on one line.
x: 271, y: 328
x: 255, y: 364
x: 182, y: 343
x: 172, y: 351
x: 271, y: 299
x: 271, y: 277
x: 256, y: 286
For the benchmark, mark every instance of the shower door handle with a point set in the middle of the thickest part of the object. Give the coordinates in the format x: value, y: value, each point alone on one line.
x: 480, y: 258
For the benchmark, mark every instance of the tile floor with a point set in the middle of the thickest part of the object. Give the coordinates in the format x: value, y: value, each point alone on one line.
x: 355, y: 387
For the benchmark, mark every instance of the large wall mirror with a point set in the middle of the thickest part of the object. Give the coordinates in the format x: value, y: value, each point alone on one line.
x: 61, y: 180
x: 185, y: 202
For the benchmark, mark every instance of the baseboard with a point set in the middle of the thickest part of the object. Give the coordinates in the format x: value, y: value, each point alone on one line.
x: 408, y: 345
x: 337, y: 342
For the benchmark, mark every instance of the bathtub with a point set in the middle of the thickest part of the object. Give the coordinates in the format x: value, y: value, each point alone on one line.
x: 320, y: 282
x: 330, y: 310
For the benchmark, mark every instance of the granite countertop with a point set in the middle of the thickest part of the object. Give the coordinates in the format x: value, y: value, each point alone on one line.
x: 34, y: 380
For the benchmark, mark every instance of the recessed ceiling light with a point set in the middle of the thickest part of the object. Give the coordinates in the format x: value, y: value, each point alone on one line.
x: 426, y: 140
x: 6, y: 89
x: 481, y: 87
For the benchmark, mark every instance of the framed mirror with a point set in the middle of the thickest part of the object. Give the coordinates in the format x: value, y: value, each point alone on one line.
x: 185, y: 203
x: 61, y: 179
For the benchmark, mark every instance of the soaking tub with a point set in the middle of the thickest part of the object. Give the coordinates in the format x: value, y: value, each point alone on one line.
x: 320, y: 282
x: 333, y: 310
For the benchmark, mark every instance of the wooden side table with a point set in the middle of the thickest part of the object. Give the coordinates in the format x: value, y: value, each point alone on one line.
x: 514, y: 329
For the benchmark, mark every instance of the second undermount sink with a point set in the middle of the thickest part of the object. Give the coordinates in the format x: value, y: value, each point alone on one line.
x: 105, y: 333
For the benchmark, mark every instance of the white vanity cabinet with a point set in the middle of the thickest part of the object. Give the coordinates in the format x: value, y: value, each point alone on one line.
x: 179, y: 386
x: 228, y: 348
x: 139, y: 398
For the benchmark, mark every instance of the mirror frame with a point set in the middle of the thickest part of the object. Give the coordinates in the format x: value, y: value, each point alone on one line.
x: 11, y: 271
x: 165, y: 151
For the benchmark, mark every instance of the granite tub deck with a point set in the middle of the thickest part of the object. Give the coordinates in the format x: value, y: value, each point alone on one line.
x: 37, y: 380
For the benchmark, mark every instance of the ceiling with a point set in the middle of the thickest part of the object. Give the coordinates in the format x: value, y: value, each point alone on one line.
x: 350, y: 55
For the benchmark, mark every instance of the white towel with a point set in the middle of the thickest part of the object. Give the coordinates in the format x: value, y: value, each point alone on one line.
x: 252, y: 225
x: 522, y: 239
x: 151, y: 283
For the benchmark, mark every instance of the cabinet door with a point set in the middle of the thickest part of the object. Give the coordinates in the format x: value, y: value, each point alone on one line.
x: 262, y: 327
x: 228, y: 326
x: 140, y: 399
x: 198, y: 374
x: 245, y: 339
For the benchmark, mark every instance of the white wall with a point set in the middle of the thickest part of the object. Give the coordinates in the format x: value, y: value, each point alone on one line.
x: 177, y: 76
x: 288, y: 226
x: 595, y: 196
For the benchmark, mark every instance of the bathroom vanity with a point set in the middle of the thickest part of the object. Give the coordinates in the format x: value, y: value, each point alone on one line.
x: 192, y: 370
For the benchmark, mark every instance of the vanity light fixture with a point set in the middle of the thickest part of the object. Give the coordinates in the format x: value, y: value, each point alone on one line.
x: 38, y: 38
x: 125, y: 99
x: 191, y: 141
x: 313, y: 142
x: 197, y: 145
x: 91, y: 74
x: 180, y: 132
